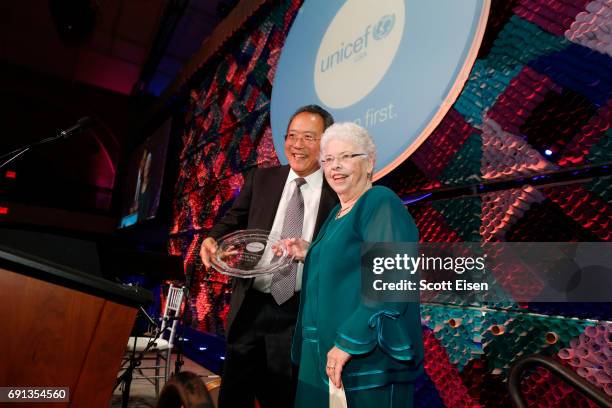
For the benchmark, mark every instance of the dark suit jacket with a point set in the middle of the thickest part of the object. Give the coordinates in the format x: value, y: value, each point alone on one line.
x: 256, y: 207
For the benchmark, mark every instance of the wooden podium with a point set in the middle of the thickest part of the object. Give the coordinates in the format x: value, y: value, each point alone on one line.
x: 63, y: 328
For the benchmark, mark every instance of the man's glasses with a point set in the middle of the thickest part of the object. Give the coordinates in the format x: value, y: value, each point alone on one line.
x: 342, y: 159
x: 305, y: 137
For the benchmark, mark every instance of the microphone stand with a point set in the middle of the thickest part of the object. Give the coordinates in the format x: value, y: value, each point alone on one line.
x: 126, y: 377
x: 185, y: 319
x: 22, y: 150
x: 61, y: 134
x: 19, y: 153
x: 134, y: 361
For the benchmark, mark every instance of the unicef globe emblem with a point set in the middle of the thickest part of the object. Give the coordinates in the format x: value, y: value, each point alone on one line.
x: 384, y: 26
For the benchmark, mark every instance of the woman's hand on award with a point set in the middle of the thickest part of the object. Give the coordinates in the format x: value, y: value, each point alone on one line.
x: 297, y: 248
x: 336, y: 359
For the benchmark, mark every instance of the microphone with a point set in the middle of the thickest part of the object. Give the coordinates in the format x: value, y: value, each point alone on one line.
x: 82, y: 124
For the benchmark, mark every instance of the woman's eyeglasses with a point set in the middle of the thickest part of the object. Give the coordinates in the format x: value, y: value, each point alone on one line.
x: 342, y: 159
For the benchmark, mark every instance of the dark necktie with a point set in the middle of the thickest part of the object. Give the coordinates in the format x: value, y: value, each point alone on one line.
x: 283, y: 281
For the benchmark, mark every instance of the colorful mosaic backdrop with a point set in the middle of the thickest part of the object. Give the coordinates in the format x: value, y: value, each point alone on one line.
x: 538, y: 100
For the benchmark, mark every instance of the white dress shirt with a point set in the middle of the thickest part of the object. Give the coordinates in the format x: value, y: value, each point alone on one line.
x: 311, y: 192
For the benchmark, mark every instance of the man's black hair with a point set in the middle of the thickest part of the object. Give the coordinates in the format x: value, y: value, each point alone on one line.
x: 328, y: 119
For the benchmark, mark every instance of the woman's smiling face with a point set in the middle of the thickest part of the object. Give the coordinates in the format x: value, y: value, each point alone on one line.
x: 346, y: 168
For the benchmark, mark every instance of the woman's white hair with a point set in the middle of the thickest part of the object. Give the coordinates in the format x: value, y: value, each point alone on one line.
x: 352, y: 133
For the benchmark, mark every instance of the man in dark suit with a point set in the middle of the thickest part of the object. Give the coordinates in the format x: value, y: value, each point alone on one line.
x: 262, y: 317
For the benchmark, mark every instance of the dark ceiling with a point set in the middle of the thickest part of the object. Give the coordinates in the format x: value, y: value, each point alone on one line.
x: 108, y: 59
x: 110, y: 44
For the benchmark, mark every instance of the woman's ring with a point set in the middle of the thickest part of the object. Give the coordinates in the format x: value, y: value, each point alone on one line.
x: 331, y: 366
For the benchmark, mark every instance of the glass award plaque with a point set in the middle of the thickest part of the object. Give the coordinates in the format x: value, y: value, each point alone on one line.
x: 250, y: 253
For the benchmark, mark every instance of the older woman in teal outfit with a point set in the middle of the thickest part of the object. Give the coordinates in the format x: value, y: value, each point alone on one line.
x: 372, y: 350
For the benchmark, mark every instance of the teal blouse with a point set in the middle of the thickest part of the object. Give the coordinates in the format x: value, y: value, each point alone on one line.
x: 384, y: 339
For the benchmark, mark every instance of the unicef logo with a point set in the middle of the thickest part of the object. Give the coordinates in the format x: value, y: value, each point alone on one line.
x: 369, y: 62
x: 384, y: 26
x: 357, y: 50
